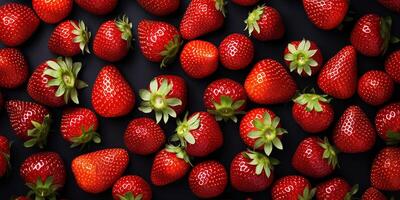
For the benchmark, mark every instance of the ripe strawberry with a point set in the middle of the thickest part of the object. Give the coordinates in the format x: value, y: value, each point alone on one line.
x: 335, y: 189
x: 385, y: 171
x: 113, y: 39
x: 13, y: 68
x: 4, y: 145
x: 392, y: 66
x: 97, y: 171
x: 338, y: 78
x: 130, y: 188
x: 112, y: 96
x: 169, y: 165
x: 144, y: 136
x: 70, y: 38
x: 245, y: 2
x: 159, y: 7
x: 303, y: 56
x: 29, y: 121
x: 315, y: 157
x: 159, y: 41
x: 373, y: 194
x: 292, y: 188
x: 269, y: 83
x: 252, y: 171
x: 387, y: 123
x: 375, y: 87
x: 4, y: 155
x: 78, y: 126
x: 391, y: 4
x: 18, y: 23
x: 199, y: 133
x: 208, y: 179
x: 199, y: 59
x: 52, y: 11
x: 326, y: 14
x: 97, y: 7
x: 44, y: 173
x: 236, y: 51
x: 265, y: 23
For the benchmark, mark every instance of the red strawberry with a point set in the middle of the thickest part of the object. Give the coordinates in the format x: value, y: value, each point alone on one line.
x: 199, y: 59
x: 292, y: 188
x: 44, y: 173
x: 52, y: 11
x: 265, y: 23
x: 392, y: 66
x: 338, y: 78
x: 130, y: 188
x: 22, y: 198
x: 97, y: 171
x: 202, y: 17
x: 304, y: 57
x: 236, y: 51
x: 169, y: 165
x: 159, y: 41
x: 144, y: 136
x: 326, y: 14
x: 269, y: 83
x: 112, y: 96
x: 4, y: 155
x: 18, y: 23
x: 13, y: 68
x: 70, y: 38
x: 387, y: 123
x: 391, y: 4
x: 208, y: 179
x: 252, y: 171
x: 4, y: 145
x: 375, y: 87
x: 113, y: 39
x: 245, y: 2
x: 373, y: 194
x: 97, y: 7
x: 78, y: 126
x: 55, y: 82
x: 335, y: 189
x: 29, y: 121
x: 315, y: 157
x: 199, y: 133
x: 159, y: 7
x: 385, y: 171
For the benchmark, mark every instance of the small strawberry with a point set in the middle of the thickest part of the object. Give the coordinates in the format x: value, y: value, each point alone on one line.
x: 130, y: 188
x: 199, y: 59
x: 292, y: 188
x: 385, y: 171
x: 113, y: 39
x: 159, y: 7
x: 392, y: 66
x: 335, y: 189
x: 245, y: 2
x: 236, y: 51
x: 391, y: 4
x: 112, y: 96
x: 304, y: 57
x: 97, y: 171
x: 265, y: 23
x: 144, y: 136
x: 338, y: 78
x: 52, y: 11
x: 269, y: 83
x: 375, y: 87
x: 97, y: 7
x: 13, y: 68
x: 326, y: 14
x: 4, y: 145
x: 373, y: 194
x: 387, y: 123
x: 4, y: 156
x: 208, y: 179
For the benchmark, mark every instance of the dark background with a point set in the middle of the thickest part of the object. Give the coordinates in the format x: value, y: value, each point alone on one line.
x: 354, y: 168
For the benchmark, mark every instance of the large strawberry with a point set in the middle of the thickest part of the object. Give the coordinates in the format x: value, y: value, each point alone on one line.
x: 338, y: 78
x: 131, y: 187
x: 335, y: 189
x: 269, y: 83
x: 52, y: 11
x: 326, y: 14
x: 391, y: 4
x: 292, y: 188
x: 208, y: 179
x: 304, y: 57
x: 159, y: 7
x: 392, y: 66
x: 387, y: 123
x: 385, y: 171
x: 245, y: 2
x: 4, y: 155
x: 97, y: 171
x: 97, y: 7
x: 236, y: 51
x: 112, y: 96
x: 375, y: 87
x: 373, y: 194
x: 13, y: 68
x: 18, y: 23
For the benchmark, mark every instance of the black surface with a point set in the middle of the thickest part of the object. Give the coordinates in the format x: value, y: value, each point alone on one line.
x: 354, y: 168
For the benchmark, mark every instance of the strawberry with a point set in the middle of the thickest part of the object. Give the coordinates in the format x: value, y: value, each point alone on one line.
x: 159, y: 7
x: 144, y: 136
x: 261, y: 129
x: 375, y: 87
x: 4, y: 155
x: 13, y: 68
x: 202, y: 17
x: 269, y: 83
x: 373, y: 194
x: 70, y: 38
x: 169, y: 165
x: 199, y: 133
x: 338, y: 78
x: 326, y: 14
x: 78, y: 126
x: 112, y: 96
x: 265, y: 23
x: 113, y: 39
x: 385, y: 171
x: 55, y: 82
x: 130, y: 188
x: 392, y: 66
x: 292, y: 188
x: 4, y: 145
x: 252, y: 171
x: 208, y: 179
x: 304, y: 57
x: 391, y: 4
x: 97, y: 7
x: 97, y: 171
x: 29, y: 121
x: 387, y: 123
x: 199, y: 59
x: 335, y: 189
x: 245, y: 2
x: 52, y: 11
x: 159, y: 41
x: 315, y: 157
x: 22, y: 198
x: 44, y: 173
x: 236, y: 51
x: 18, y: 23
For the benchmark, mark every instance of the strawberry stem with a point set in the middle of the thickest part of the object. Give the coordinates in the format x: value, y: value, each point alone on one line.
x: 82, y: 36
x: 86, y: 137
x: 183, y: 130
x: 311, y: 100
x: 252, y: 20
x: 300, y: 57
x: 43, y: 190
x: 39, y: 133
x: 227, y: 109
x: 261, y: 161
x: 171, y: 50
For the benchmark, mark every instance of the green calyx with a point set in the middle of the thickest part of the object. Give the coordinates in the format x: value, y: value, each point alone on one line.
x: 267, y: 133
x: 39, y: 133
x: 227, y: 109
x: 180, y: 153
x: 261, y: 161
x: 157, y: 99
x: 82, y: 36
x: 393, y: 138
x: 353, y: 191
x: 64, y: 73
x: 171, y: 50
x: 125, y: 26
x: 300, y: 57
x: 43, y: 190
x: 183, y: 129
x: 330, y: 153
x: 220, y: 6
x: 87, y: 136
x: 312, y: 101
x: 130, y: 196
x: 307, y: 194
x: 252, y: 20
x: 7, y: 158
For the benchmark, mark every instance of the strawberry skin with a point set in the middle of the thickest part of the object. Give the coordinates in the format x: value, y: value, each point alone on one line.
x: 131, y: 186
x: 4, y: 145
x: 159, y: 7
x: 304, y: 57
x: 13, y: 68
x: 375, y: 87
x: 292, y: 188
x: 4, y: 155
x: 265, y: 23
x: 52, y: 11
x: 373, y: 194
x: 385, y: 171
x: 387, y: 123
x: 97, y: 7
x: 208, y: 179
x: 236, y: 51
x: 335, y: 189
x: 245, y: 2
x: 326, y: 14
x: 391, y: 4
x: 392, y: 66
